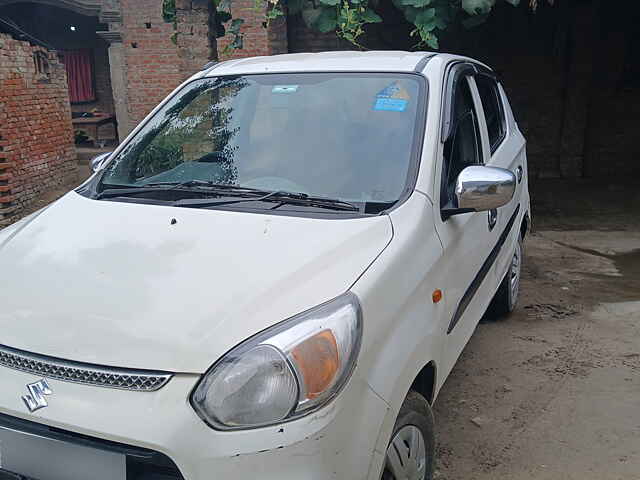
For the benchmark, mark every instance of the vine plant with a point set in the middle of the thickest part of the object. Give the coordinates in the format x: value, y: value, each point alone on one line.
x: 348, y: 18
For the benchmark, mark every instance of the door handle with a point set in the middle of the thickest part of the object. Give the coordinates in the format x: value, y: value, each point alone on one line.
x: 492, y: 218
x: 519, y: 173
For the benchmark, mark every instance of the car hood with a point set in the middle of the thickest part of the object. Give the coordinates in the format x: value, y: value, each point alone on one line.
x: 165, y: 288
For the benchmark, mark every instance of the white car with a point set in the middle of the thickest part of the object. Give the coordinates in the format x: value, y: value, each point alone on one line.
x: 271, y: 277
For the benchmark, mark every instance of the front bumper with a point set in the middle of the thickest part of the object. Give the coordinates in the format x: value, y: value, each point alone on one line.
x: 83, y: 456
x: 335, y: 442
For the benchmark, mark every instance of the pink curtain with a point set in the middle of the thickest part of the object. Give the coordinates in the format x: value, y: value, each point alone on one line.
x: 79, y: 75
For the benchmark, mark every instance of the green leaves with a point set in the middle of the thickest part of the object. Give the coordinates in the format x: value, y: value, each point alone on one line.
x: 369, y: 16
x: 327, y: 20
x: 349, y: 18
x: 273, y: 13
x: 425, y: 19
x: 479, y: 11
x: 477, y: 7
x: 169, y: 10
x: 428, y: 16
x: 223, y: 17
x: 236, y: 23
x: 416, y: 3
x: 238, y: 37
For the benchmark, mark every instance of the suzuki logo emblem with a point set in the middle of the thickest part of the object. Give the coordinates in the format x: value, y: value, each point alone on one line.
x: 36, y: 398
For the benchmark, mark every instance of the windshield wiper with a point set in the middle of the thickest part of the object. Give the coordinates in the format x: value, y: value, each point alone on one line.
x: 207, y: 184
x: 281, y: 197
x: 206, y: 187
x: 200, y: 186
x: 312, y: 201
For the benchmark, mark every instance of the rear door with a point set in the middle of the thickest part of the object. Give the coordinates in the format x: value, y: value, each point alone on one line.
x: 467, y: 239
x: 506, y: 150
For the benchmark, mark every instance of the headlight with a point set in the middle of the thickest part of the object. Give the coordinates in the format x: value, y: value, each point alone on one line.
x: 284, y: 372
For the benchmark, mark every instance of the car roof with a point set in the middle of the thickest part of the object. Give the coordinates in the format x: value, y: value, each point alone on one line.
x: 351, y: 61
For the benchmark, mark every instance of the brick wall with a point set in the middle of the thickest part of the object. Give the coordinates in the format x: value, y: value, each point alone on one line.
x: 258, y: 40
x: 36, y: 137
x: 152, y: 63
x: 155, y: 65
x: 304, y: 39
x: 195, y: 46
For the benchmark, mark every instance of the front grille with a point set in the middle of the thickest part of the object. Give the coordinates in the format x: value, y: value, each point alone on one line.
x: 67, y: 371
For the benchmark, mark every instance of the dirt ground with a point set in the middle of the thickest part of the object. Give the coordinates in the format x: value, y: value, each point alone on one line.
x: 552, y: 391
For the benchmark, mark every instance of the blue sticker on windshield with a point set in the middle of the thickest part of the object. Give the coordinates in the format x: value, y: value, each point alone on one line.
x: 392, y: 99
x: 285, y: 89
x: 390, y: 105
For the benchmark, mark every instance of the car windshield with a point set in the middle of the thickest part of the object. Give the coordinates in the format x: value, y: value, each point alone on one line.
x: 347, y: 137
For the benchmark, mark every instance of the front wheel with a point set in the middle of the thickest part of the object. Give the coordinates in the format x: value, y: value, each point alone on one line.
x: 411, y: 452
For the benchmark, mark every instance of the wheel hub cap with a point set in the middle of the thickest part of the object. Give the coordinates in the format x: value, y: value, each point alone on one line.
x: 515, y: 273
x: 406, y: 457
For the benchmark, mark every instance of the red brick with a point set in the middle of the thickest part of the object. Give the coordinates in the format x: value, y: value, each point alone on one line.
x: 36, y: 135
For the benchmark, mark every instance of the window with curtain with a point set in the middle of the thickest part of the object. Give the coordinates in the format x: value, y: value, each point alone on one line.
x: 79, y: 75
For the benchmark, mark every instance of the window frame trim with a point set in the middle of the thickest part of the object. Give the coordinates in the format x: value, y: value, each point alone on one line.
x: 454, y: 72
x: 496, y: 88
x: 449, y: 124
x: 485, y: 153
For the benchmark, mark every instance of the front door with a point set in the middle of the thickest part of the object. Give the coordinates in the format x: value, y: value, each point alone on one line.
x: 467, y: 239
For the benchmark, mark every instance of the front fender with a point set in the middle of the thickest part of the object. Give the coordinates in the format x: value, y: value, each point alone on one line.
x: 403, y: 327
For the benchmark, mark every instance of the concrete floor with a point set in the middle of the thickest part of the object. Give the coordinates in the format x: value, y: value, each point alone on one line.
x: 555, y: 387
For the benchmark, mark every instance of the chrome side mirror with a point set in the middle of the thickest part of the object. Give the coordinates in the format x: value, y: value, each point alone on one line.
x: 96, y: 162
x: 484, y: 188
x: 480, y: 188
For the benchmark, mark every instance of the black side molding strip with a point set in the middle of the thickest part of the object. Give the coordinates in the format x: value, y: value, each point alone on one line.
x: 482, y: 273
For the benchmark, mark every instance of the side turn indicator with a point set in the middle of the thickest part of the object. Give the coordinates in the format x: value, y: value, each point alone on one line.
x: 437, y: 295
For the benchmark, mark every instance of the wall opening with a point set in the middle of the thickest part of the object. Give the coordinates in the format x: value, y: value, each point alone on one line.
x: 85, y: 56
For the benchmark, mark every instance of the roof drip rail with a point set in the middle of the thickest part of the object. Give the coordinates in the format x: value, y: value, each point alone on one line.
x: 423, y: 62
x: 209, y: 65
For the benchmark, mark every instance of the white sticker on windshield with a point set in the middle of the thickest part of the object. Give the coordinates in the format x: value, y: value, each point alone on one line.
x: 285, y: 89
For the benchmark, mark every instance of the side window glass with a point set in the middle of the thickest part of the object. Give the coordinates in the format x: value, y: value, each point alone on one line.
x: 463, y: 148
x: 493, y: 110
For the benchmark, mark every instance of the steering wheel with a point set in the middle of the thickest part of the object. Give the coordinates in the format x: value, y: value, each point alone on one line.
x: 212, y: 157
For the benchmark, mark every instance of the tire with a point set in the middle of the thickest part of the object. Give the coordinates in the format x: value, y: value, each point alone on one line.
x: 411, y: 451
x: 506, y: 298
